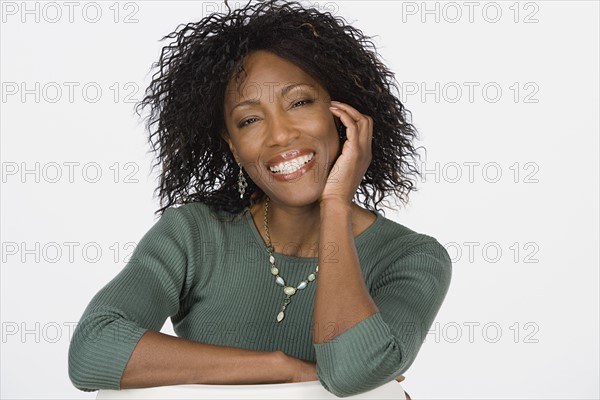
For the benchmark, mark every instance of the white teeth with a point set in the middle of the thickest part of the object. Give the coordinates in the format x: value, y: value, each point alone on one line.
x: 287, y: 167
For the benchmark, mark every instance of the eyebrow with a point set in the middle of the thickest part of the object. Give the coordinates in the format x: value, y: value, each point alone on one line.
x: 284, y: 91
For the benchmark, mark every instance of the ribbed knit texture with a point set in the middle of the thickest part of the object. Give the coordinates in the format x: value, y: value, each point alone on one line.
x: 213, y: 280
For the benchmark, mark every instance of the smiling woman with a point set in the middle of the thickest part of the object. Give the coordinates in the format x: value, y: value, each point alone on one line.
x: 285, y: 172
x: 286, y: 130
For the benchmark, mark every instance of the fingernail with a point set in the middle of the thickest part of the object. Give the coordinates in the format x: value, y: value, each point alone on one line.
x: 333, y: 108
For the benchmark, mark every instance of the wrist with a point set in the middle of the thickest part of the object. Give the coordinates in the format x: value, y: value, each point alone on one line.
x: 281, y: 362
x: 335, y: 204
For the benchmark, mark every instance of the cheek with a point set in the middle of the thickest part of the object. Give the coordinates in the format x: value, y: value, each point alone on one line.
x: 251, y: 159
x: 246, y: 147
x: 256, y: 172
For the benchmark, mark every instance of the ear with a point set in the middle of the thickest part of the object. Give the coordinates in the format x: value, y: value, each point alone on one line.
x: 227, y: 138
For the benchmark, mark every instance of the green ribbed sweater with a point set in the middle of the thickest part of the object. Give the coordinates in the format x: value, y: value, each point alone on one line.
x: 213, y: 279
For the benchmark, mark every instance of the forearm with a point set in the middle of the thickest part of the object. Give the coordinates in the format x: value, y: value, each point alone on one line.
x: 342, y: 299
x: 163, y: 360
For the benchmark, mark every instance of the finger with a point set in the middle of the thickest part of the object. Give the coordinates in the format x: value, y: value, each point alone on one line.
x: 370, y: 123
x: 351, y: 126
x: 400, y: 378
x: 353, y: 112
x: 366, y: 134
x: 360, y: 120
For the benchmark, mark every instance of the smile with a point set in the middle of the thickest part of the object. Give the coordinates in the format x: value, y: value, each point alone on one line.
x: 287, y: 167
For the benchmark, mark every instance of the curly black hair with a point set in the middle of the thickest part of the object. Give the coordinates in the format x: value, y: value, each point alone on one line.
x: 187, y: 93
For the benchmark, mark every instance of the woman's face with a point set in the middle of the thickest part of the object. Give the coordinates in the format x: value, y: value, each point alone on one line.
x: 269, y: 122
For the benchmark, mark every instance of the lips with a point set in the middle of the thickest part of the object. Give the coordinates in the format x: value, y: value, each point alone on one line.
x: 288, y: 155
x: 291, y: 165
x: 287, y: 167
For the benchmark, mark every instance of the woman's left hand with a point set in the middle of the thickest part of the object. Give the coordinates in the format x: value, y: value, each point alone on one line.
x: 350, y: 167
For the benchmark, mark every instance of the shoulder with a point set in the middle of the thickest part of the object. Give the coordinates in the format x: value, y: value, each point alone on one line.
x: 191, y: 210
x: 413, y: 256
x: 200, y: 215
x: 194, y: 210
x: 407, y: 241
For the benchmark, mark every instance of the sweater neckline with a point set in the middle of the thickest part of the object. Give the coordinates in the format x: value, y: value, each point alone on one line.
x: 357, y: 240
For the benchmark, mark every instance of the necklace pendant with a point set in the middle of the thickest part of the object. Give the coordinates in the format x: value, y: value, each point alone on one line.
x: 280, y: 316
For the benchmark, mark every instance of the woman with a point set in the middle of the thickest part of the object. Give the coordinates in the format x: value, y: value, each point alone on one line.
x: 269, y: 122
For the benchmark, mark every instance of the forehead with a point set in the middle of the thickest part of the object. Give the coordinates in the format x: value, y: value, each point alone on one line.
x: 265, y: 74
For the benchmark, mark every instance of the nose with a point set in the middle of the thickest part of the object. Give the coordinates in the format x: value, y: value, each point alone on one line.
x: 281, y: 130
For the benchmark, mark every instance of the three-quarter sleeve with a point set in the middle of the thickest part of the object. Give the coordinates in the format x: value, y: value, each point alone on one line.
x: 141, y: 297
x: 409, y: 294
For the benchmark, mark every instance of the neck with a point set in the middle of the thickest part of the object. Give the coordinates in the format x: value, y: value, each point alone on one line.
x: 293, y: 231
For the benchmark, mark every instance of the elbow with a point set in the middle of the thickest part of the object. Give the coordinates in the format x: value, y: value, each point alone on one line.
x: 80, y: 380
x: 79, y: 374
x: 96, y: 358
x: 353, y: 378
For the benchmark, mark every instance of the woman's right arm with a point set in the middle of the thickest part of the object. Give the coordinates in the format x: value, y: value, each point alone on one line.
x: 161, y: 360
x: 117, y: 343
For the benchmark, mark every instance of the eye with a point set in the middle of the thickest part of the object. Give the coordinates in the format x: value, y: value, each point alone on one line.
x: 299, y: 103
x: 244, y: 122
x: 307, y: 101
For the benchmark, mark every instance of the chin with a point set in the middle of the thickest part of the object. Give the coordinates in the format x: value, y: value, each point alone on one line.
x: 294, y: 199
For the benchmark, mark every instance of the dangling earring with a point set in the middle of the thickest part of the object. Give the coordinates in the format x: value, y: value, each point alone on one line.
x: 242, y: 184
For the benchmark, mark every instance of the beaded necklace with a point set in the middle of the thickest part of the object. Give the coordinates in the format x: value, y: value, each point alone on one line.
x: 289, y: 291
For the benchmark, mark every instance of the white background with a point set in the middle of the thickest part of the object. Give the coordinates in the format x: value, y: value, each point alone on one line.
x: 521, y: 316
